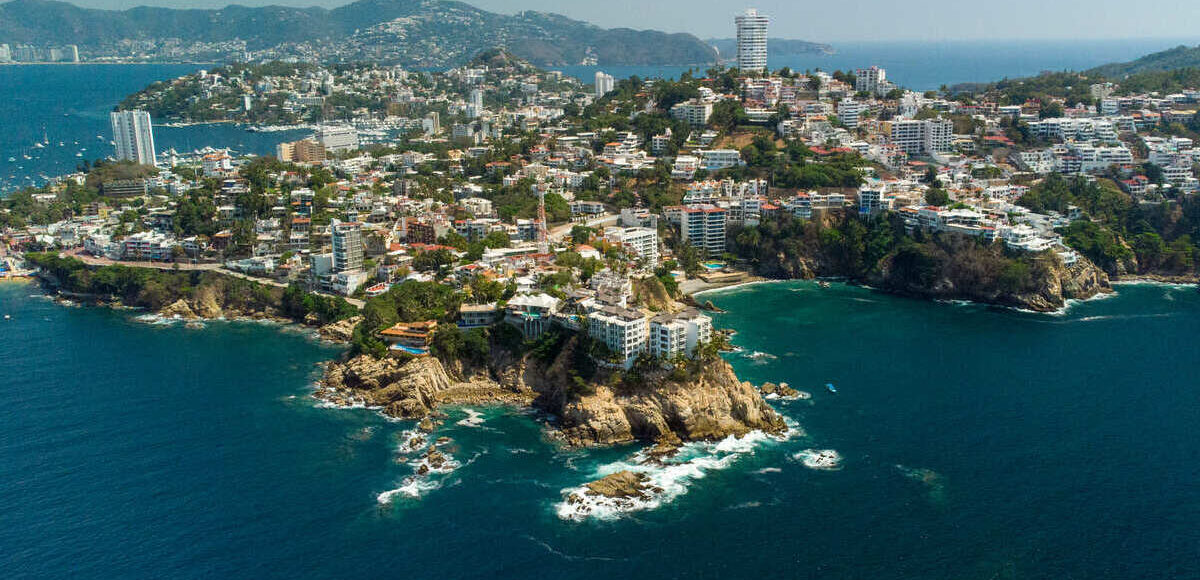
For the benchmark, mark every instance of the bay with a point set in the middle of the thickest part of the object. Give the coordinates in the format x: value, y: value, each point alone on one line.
x: 977, y: 443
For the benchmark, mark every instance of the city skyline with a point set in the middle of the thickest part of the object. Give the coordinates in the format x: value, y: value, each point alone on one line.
x: 867, y: 20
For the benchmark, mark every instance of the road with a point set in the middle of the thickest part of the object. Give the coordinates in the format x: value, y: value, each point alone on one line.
x: 87, y: 258
x: 559, y: 232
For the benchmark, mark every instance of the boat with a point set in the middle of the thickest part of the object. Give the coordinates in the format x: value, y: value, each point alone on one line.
x: 823, y: 284
x: 7, y: 317
x: 831, y: 388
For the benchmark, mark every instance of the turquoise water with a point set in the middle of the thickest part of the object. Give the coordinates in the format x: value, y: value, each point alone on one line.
x: 977, y: 443
x: 70, y: 104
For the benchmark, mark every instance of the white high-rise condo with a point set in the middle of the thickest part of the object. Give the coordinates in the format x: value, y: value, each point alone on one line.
x: 134, y: 136
x: 751, y: 40
x: 604, y: 84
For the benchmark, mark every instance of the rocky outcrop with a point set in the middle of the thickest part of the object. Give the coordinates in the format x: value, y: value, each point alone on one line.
x: 709, y: 406
x: 622, y: 484
x: 713, y: 406
x: 341, y: 331
x: 778, y: 390
x: 409, y: 389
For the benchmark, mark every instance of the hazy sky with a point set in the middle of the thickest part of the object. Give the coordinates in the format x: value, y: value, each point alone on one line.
x: 853, y: 20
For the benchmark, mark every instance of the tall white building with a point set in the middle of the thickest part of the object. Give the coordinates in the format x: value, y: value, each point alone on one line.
x: 923, y: 137
x: 347, y: 247
x: 672, y: 335
x: 870, y: 80
x: 623, y: 330
x: 605, y: 83
x: 751, y: 40
x: 703, y: 226
x: 133, y: 134
x: 641, y: 242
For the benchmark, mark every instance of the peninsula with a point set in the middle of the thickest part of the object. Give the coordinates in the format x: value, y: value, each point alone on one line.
x: 500, y: 233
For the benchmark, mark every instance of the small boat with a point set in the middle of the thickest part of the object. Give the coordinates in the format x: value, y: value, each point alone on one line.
x: 7, y: 317
x: 823, y: 284
x: 831, y: 388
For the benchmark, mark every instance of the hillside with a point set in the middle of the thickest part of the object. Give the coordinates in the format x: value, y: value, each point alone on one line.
x: 407, y: 32
x: 1172, y: 59
x: 775, y: 47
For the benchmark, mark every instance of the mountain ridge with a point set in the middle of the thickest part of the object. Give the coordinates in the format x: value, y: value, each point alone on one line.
x: 407, y: 32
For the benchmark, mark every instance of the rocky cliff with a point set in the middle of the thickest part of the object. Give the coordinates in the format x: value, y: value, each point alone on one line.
x: 711, y: 405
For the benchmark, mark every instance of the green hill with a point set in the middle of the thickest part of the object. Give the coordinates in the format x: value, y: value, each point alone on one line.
x: 1167, y: 60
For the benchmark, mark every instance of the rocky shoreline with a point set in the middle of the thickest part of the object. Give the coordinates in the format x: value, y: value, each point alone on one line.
x: 708, y: 407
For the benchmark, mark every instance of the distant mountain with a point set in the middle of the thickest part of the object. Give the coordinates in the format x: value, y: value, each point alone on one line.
x: 775, y: 47
x: 1172, y: 59
x: 410, y: 32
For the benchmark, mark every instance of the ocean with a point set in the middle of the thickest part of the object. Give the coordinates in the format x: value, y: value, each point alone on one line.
x: 69, y: 104
x: 925, y: 66
x: 976, y: 443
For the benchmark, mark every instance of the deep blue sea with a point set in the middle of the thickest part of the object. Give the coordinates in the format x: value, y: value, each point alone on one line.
x: 977, y: 443
x: 70, y: 105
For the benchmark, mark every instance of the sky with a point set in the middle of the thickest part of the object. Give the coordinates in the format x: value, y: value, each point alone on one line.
x: 841, y: 21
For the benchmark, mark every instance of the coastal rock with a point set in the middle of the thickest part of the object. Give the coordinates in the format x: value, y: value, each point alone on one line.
x: 207, y: 303
x: 341, y: 331
x: 179, y: 308
x: 778, y: 390
x: 711, y: 407
x: 404, y: 389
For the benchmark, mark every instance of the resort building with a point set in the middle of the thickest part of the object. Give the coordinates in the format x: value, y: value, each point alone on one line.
x: 623, y: 330
x: 751, y: 40
x: 133, y: 134
x: 672, y: 335
x: 703, y: 226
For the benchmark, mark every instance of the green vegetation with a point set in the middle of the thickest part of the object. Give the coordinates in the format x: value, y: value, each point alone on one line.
x: 1123, y: 237
x: 880, y: 252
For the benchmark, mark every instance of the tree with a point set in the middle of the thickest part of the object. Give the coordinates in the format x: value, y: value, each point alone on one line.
x: 937, y: 196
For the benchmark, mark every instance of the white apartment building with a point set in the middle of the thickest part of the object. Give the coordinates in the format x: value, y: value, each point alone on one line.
x: 849, y: 111
x: 604, y: 84
x: 641, y: 242
x: 133, y: 134
x: 703, y: 226
x: 718, y: 159
x: 751, y: 40
x: 694, y: 112
x: 337, y: 137
x: 672, y: 335
x: 347, y: 247
x: 870, y: 80
x: 923, y: 137
x: 624, y: 331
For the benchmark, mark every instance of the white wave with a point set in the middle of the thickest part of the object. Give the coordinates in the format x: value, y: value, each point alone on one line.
x: 474, y: 418
x: 759, y: 355
x: 413, y: 488
x: 156, y: 319
x: 665, y: 479
x: 820, y: 459
x: 767, y: 470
